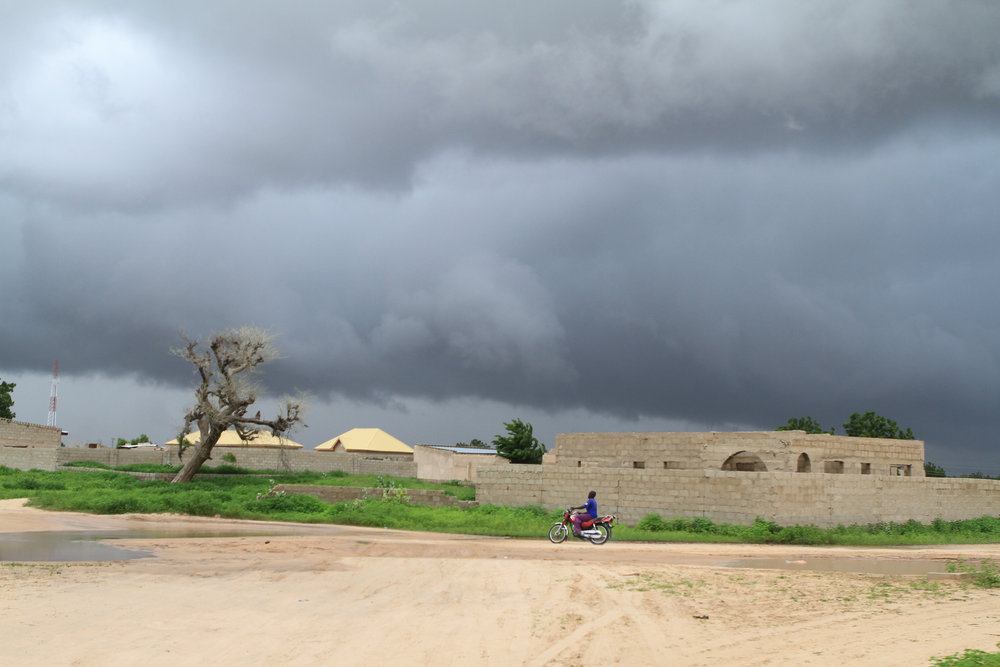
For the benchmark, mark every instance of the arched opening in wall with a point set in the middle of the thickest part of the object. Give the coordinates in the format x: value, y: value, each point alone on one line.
x: 803, y: 464
x: 744, y: 462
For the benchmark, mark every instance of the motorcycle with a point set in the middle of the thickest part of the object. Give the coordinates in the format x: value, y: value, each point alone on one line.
x: 598, y: 530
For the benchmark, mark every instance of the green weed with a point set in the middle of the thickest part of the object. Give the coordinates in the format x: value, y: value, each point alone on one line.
x: 968, y: 658
x: 986, y: 574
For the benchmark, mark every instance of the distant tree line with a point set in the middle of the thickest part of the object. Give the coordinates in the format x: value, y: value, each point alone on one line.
x: 121, y: 442
x: 871, y: 425
x: 867, y: 425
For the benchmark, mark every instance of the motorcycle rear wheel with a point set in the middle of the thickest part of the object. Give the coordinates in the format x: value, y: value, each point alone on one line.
x: 558, y: 533
x: 605, y: 532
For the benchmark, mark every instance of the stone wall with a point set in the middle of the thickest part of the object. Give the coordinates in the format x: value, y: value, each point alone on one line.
x: 342, y: 494
x: 296, y: 460
x: 820, y: 499
x: 257, y: 458
x: 789, y: 477
x: 763, y: 451
x: 22, y: 434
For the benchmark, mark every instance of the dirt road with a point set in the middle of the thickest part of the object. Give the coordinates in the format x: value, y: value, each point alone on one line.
x: 349, y: 596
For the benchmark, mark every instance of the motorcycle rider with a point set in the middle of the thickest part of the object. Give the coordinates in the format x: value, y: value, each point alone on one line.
x: 589, y: 512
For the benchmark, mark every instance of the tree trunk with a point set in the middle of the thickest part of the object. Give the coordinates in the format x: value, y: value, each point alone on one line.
x: 202, y: 452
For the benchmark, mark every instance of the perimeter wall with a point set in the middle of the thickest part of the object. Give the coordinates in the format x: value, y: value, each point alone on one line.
x: 737, y: 477
x: 822, y: 499
x: 257, y: 458
x: 22, y: 434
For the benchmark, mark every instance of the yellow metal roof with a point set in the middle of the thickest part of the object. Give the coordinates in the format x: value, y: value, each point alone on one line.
x: 366, y: 440
x: 231, y: 438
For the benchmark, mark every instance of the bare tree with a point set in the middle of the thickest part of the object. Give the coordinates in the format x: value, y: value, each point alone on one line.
x: 226, y: 391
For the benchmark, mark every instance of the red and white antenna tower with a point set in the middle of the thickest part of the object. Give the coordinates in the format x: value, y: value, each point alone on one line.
x: 53, y: 394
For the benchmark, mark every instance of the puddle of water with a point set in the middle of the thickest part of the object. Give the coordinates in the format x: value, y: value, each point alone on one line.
x: 61, y: 546
x: 82, y: 545
x: 862, y: 565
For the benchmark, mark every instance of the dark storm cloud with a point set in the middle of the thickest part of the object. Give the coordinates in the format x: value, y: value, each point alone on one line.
x: 729, y: 213
x: 128, y: 104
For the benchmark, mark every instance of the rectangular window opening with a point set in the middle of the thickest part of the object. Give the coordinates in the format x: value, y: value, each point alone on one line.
x: 833, y: 467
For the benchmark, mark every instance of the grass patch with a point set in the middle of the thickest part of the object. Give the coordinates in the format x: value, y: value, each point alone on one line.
x: 652, y: 527
x: 643, y: 582
x: 236, y: 494
x: 969, y: 658
x: 985, y: 574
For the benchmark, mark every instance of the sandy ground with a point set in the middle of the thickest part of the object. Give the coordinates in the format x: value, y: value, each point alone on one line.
x: 349, y: 596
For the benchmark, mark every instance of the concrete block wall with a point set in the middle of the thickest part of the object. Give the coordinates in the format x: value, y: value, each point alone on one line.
x: 298, y: 460
x: 778, y: 450
x: 22, y: 434
x: 343, y: 494
x: 258, y: 458
x: 822, y: 499
x: 444, y: 465
x: 29, y: 458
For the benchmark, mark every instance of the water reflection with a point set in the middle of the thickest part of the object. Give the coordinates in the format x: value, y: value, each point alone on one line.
x: 82, y: 545
x: 60, y: 546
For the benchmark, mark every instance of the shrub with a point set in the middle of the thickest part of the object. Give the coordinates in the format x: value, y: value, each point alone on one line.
x: 287, y: 503
x: 34, y: 484
x: 147, y: 467
x: 196, y: 503
x: 702, y: 525
x: 652, y: 522
x: 118, y: 505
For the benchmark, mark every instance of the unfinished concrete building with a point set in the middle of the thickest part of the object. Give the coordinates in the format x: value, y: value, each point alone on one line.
x: 789, y: 477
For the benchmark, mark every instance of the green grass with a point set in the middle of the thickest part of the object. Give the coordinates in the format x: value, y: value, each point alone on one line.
x: 246, y: 496
x: 652, y: 527
x: 985, y: 574
x: 969, y: 658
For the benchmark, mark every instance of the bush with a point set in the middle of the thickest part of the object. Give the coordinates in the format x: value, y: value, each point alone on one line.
x: 225, y: 469
x: 196, y: 503
x: 119, y: 505
x: 147, y: 467
x: 287, y: 503
x: 33, y: 484
x: 652, y: 522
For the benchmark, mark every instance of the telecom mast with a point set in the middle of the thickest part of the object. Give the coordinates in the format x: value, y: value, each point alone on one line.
x: 52, y: 395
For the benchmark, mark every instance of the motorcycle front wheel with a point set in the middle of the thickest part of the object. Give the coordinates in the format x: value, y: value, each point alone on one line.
x: 605, y: 532
x: 558, y: 533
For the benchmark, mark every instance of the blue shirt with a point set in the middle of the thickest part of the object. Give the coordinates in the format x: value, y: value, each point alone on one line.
x: 591, y: 508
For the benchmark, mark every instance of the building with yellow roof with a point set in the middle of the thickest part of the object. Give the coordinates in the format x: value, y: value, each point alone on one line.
x: 365, y: 440
x: 231, y: 438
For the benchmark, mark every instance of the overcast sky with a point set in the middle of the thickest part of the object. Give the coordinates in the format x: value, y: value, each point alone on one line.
x: 589, y: 215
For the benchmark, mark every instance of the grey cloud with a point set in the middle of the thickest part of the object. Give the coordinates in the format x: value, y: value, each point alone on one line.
x: 135, y: 106
x: 714, y: 214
